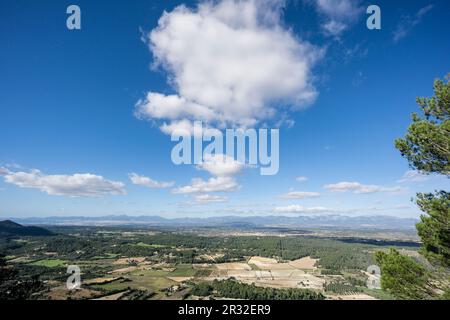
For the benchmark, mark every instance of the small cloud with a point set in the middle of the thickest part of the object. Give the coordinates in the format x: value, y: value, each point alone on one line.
x: 301, y: 179
x: 148, y: 182
x: 359, y: 188
x: 223, y: 169
x: 411, y: 176
x: 338, y: 15
x: 14, y: 165
x: 358, y: 79
x: 220, y: 165
x: 359, y: 50
x: 300, y: 195
x: 76, y: 185
x: 214, y: 184
x: 407, y: 23
x: 207, y: 198
x: 334, y: 28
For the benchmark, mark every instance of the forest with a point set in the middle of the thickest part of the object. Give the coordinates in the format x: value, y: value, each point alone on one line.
x: 232, y: 289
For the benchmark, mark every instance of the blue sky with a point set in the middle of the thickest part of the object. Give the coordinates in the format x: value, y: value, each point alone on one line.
x: 70, y: 137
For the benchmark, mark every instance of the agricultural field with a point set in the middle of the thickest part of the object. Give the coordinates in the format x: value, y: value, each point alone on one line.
x: 124, y: 263
x: 50, y: 263
x: 269, y: 272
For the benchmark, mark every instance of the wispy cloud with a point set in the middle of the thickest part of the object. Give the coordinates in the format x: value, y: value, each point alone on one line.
x: 407, y: 23
x: 300, y: 195
x: 208, y: 198
x: 359, y: 188
x: 338, y: 15
x: 295, y: 208
x: 301, y: 179
x: 411, y: 176
x: 148, y: 182
x: 415, y: 176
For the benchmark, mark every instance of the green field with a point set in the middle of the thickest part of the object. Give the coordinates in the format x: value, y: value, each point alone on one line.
x: 146, y: 245
x: 50, y: 263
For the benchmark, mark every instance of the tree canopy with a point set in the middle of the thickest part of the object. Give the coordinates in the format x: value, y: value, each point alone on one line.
x: 434, y: 228
x: 426, y: 146
x: 402, y: 276
x: 427, y: 143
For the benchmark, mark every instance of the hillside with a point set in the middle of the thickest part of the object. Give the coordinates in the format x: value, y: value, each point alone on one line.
x: 10, y: 228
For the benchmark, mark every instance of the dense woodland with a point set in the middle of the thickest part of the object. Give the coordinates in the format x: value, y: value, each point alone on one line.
x: 16, y: 285
x: 188, y: 248
x: 233, y: 289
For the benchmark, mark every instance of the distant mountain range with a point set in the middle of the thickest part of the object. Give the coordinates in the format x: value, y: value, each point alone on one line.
x: 319, y: 221
x: 10, y: 228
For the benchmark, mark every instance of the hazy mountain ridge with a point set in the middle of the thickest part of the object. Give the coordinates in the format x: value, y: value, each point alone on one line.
x: 328, y: 221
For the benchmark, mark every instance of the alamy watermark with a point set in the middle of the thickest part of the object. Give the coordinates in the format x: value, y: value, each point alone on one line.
x: 73, y: 21
x: 374, y: 277
x: 74, y: 280
x: 374, y: 20
x: 254, y: 147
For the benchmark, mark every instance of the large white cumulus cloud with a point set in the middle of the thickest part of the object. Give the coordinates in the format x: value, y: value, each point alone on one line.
x: 229, y: 62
